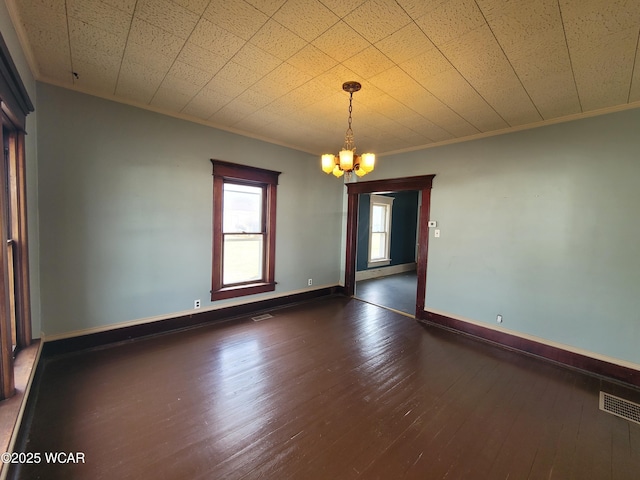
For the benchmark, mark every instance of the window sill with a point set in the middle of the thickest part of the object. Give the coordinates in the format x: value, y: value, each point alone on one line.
x: 378, y: 263
x: 10, y: 409
x: 242, y: 290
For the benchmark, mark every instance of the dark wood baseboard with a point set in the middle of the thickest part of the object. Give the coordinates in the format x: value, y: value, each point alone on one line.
x: 575, y: 360
x: 130, y: 332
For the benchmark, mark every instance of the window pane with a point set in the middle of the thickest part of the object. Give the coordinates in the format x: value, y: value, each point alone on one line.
x: 242, y: 258
x: 378, y: 246
x: 378, y: 218
x: 242, y: 209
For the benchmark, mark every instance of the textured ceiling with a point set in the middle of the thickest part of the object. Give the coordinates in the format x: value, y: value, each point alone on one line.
x: 432, y: 71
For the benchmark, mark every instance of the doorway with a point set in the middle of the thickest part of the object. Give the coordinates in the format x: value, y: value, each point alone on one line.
x: 386, y: 251
x: 420, y: 183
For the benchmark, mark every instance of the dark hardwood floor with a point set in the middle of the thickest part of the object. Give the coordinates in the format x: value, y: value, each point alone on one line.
x: 393, y: 291
x: 331, y: 389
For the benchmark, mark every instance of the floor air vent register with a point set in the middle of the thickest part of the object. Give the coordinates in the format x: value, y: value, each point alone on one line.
x: 264, y: 316
x: 620, y: 407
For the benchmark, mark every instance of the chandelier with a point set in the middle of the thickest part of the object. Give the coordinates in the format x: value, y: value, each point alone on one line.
x: 347, y: 161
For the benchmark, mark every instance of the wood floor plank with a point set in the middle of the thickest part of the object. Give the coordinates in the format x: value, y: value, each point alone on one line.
x: 337, y: 389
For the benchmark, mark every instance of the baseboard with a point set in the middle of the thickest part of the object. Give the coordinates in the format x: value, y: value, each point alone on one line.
x: 613, y: 371
x: 120, y: 333
x: 384, y: 271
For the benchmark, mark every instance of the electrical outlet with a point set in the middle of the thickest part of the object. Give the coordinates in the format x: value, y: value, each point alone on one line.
x: 432, y: 224
x: 196, y: 304
x: 310, y: 282
x: 499, y: 318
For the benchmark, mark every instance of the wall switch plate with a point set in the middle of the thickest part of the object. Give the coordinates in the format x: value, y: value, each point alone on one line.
x: 436, y: 233
x: 432, y: 223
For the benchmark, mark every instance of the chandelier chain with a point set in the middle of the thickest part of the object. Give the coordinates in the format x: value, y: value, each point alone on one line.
x: 348, y: 138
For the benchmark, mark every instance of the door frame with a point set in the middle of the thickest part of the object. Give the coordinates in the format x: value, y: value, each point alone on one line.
x: 422, y: 183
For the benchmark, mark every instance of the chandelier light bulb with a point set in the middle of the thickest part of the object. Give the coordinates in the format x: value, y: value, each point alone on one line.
x: 328, y: 162
x: 346, y: 160
x: 367, y: 162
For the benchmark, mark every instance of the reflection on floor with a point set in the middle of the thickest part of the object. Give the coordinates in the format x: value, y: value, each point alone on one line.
x: 332, y: 389
x: 393, y: 291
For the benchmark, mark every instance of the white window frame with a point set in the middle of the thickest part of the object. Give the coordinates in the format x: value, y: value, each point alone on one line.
x: 387, y: 202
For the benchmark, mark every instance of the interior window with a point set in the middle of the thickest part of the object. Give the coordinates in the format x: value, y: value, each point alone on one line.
x: 380, y: 230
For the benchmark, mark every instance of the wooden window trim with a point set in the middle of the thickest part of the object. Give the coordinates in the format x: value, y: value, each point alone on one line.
x: 15, y: 105
x: 224, y: 172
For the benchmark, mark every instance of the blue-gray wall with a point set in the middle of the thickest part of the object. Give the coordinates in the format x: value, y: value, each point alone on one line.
x: 541, y: 226
x: 404, y: 221
x: 126, y: 212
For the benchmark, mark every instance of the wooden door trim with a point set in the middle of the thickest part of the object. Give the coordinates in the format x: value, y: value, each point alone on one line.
x: 422, y: 183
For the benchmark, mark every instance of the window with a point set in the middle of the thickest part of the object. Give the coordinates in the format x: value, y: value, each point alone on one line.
x: 244, y: 230
x: 15, y: 304
x: 380, y: 230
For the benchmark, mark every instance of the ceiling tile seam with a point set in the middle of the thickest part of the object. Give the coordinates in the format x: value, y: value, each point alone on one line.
x: 434, y: 122
x: 307, y: 43
x: 633, y: 68
x: 222, y: 67
x: 410, y: 128
x: 264, y: 106
x: 395, y: 64
x: 233, y: 98
x: 444, y: 104
x: 513, y: 69
x: 336, y: 14
x: 566, y: 42
x: 186, y: 40
x: 234, y: 55
x: 410, y: 76
x: 461, y: 76
x: 426, y: 89
x: 126, y: 43
x: 72, y: 72
x: 181, y: 49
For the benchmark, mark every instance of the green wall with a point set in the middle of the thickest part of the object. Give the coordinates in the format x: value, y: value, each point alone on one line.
x: 404, y: 224
x: 541, y: 226
x: 126, y: 208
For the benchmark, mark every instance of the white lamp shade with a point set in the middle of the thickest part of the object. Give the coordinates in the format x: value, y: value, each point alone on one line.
x: 346, y: 160
x: 328, y: 162
x: 367, y: 162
